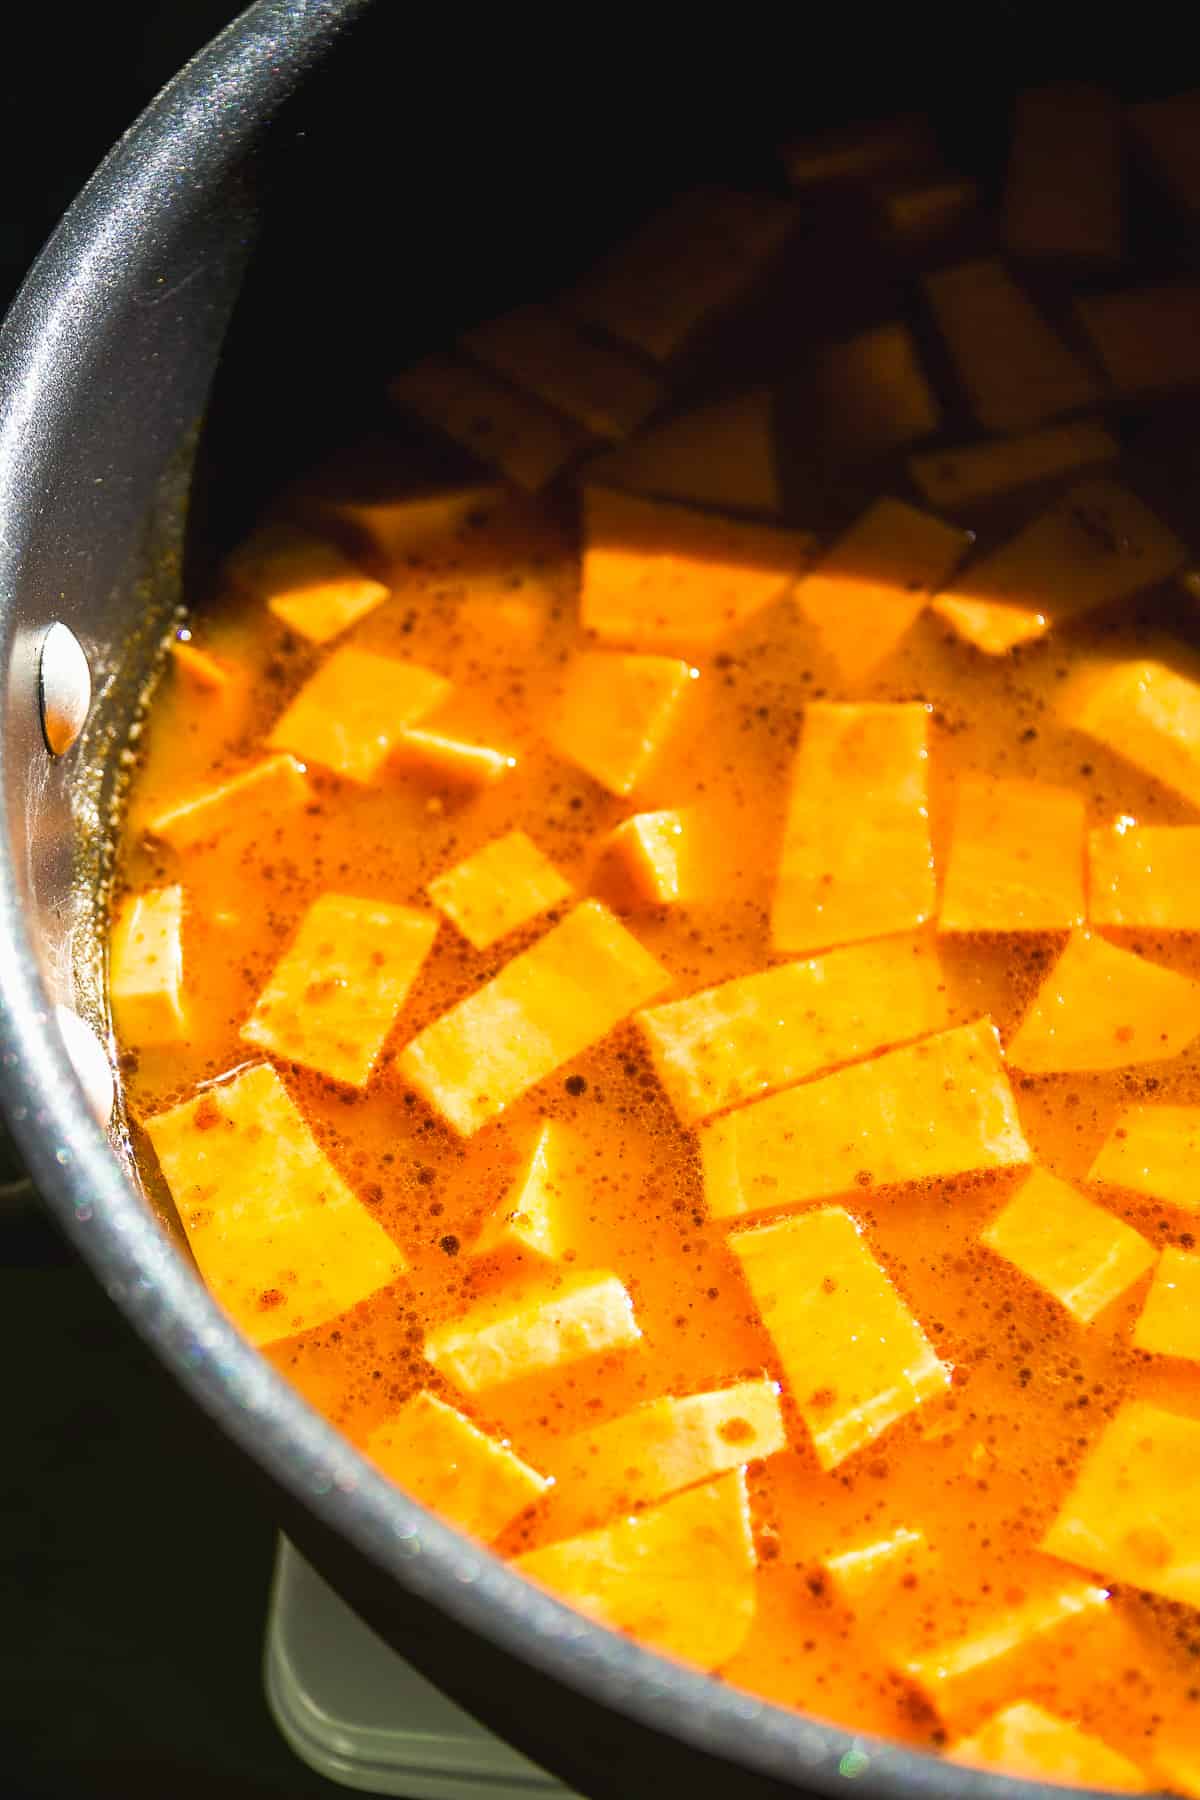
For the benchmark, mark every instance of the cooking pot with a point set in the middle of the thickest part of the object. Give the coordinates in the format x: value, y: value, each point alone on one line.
x: 330, y: 188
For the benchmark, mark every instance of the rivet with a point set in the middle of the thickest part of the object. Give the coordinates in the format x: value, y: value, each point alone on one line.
x: 64, y: 688
x: 89, y: 1061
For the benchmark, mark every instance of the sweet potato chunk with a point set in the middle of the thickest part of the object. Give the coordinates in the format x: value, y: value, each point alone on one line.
x: 942, y: 1106
x: 1063, y: 195
x: 721, y: 455
x: 661, y: 1447
x: 547, y: 1005
x: 243, y: 805
x: 451, y: 761
x: 1026, y: 1741
x: 442, y: 1459
x: 957, y: 478
x: 332, y: 1000
x: 502, y: 1339
x: 1096, y: 545
x: 535, y: 349
x: 280, y: 1239
x: 854, y: 1357
x: 650, y: 858
x: 309, y: 583
x: 1015, y: 369
x: 951, y: 1676
x: 1068, y: 1245
x: 856, y: 860
x: 532, y: 1214
x: 867, y: 592
x: 913, y: 213
x: 1131, y: 1514
x: 145, y: 967
x: 198, y: 667
x: 394, y: 530
x: 615, y: 713
x: 760, y: 1032
x: 500, y: 887
x: 351, y: 713
x: 865, y: 1576
x: 1147, y: 713
x: 1146, y: 875
x: 657, y: 576
x: 1169, y: 131
x: 1104, y: 1008
x: 1154, y: 1150
x: 679, y: 1577
x: 1170, y: 1320
x: 1016, y: 858
x: 870, y: 394
x: 1146, y: 339
x: 860, y: 152
x: 514, y: 432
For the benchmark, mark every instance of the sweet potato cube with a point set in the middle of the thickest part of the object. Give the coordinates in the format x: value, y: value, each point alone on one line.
x: 145, y: 967
x: 958, y: 478
x: 1177, y: 1766
x: 500, y: 887
x: 650, y: 857
x: 1096, y: 545
x: 615, y: 713
x: 756, y: 1033
x: 451, y: 761
x: 1072, y: 1248
x: 951, y: 1676
x: 1063, y: 196
x: 869, y: 394
x: 865, y: 1576
x: 332, y: 1000
x: 657, y: 576
x: 1104, y: 1008
x: 860, y: 152
x: 547, y: 1005
x: 350, y: 715
x: 1015, y: 369
x: 394, y: 530
x: 500, y: 1340
x: 1148, y: 338
x: 722, y: 454
x: 306, y: 581
x: 1154, y: 1150
x: 942, y: 1106
x: 1016, y: 858
x: 442, y: 1459
x: 1147, y: 713
x: 242, y: 806
x: 537, y: 350
x: 1147, y: 875
x: 1169, y: 131
x: 913, y: 213
x: 661, y: 1447
x: 1026, y: 1741
x: 853, y: 1355
x: 865, y: 594
x: 280, y: 1240
x: 856, y: 860
x: 1132, y: 1514
x: 533, y: 1214
x: 680, y: 1577
x: 198, y: 667
x: 1169, y: 1323
x: 514, y: 432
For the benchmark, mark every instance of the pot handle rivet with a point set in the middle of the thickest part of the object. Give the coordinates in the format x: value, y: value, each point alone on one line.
x: 64, y: 688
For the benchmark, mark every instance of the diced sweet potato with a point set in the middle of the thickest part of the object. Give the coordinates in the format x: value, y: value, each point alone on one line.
x: 661, y: 1447
x: 391, y: 531
x: 442, y: 1459
x: 941, y: 1107
x: 350, y: 715
x: 1131, y: 1514
x: 1147, y: 875
x: 946, y: 1676
x: 533, y: 1214
x: 853, y: 1355
x: 500, y: 887
x: 279, y: 1238
x: 514, y: 432
x: 1170, y: 1320
x: 1177, y: 1766
x: 502, y: 1339
x: 722, y: 455
x: 1069, y: 1246
x: 856, y: 860
x: 657, y: 576
x: 1148, y: 338
x: 145, y: 967
x: 867, y: 592
x: 870, y: 394
x: 1154, y: 1150
x: 1147, y: 713
x: 914, y: 213
x: 1015, y: 369
x: 243, y: 805
x: 1063, y: 196
x: 680, y: 1577
x: 1096, y: 545
x: 546, y: 355
x: 1016, y: 857
x: 332, y: 1000
x: 1104, y: 1008
x: 1169, y: 131
x: 198, y: 666
x: 451, y: 761
x: 760, y: 1032
x: 958, y: 478
x: 615, y: 713
x: 309, y: 583
x: 649, y: 859
x: 861, y: 152
x: 864, y: 1577
x: 547, y: 1005
x: 1026, y: 1741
